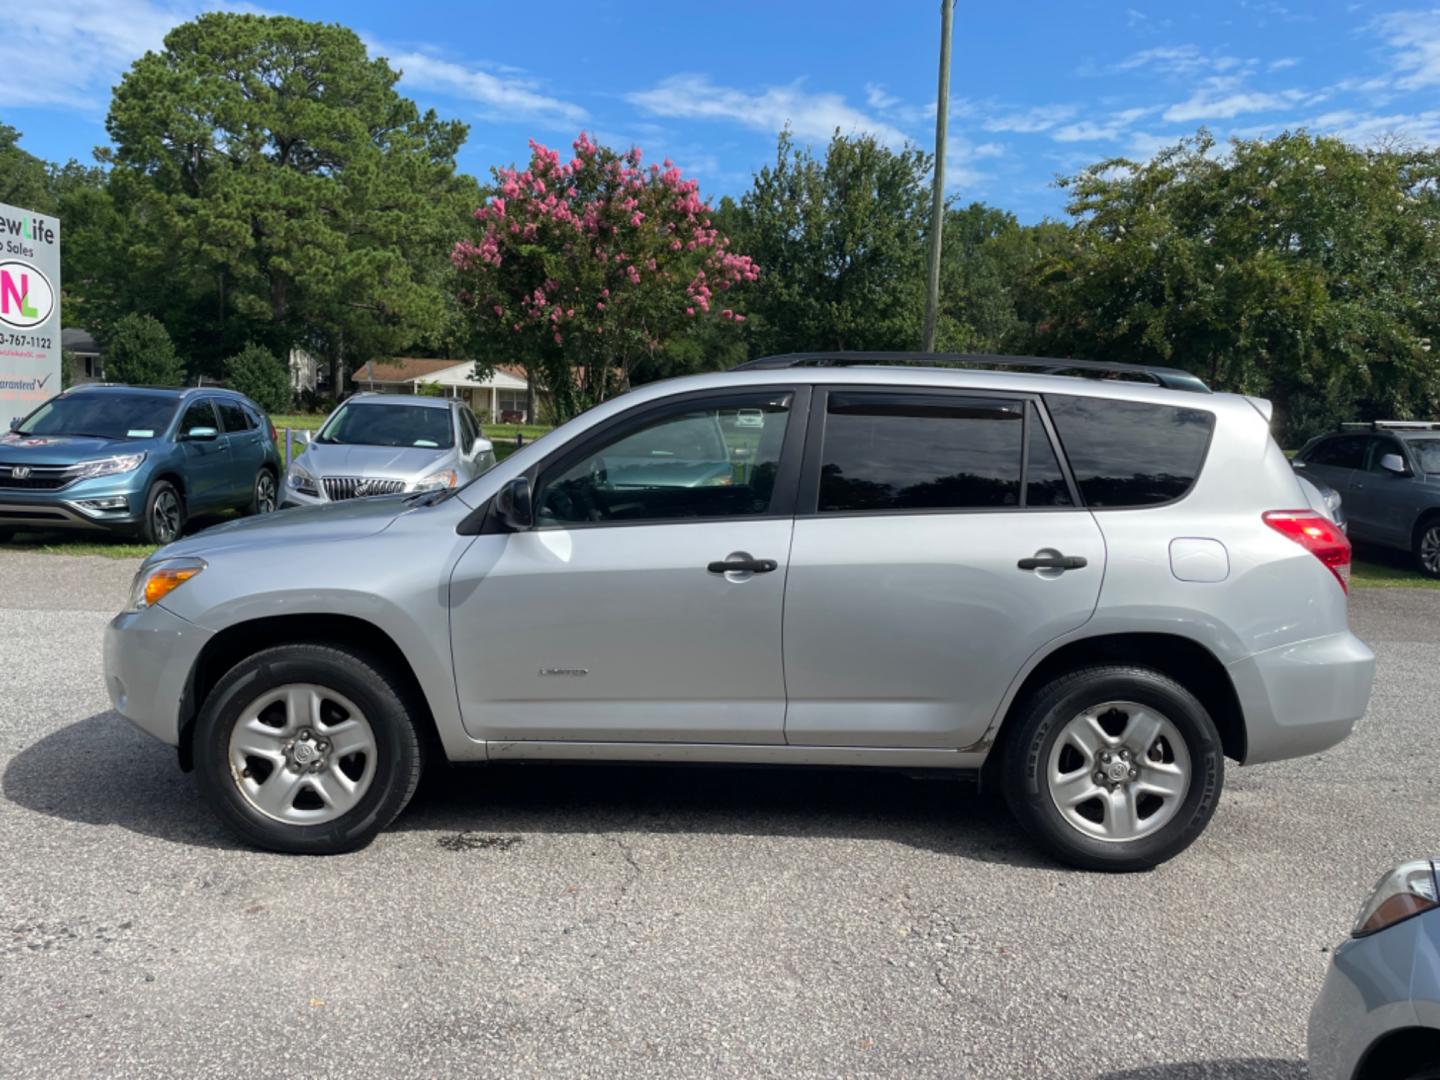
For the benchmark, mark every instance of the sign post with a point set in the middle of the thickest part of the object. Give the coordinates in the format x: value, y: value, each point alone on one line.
x: 29, y: 311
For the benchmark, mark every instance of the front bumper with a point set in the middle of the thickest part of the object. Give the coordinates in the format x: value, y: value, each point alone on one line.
x: 1303, y: 697
x: 149, y: 655
x: 121, y: 507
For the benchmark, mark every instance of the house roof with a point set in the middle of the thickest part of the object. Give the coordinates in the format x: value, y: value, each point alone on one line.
x: 79, y: 341
x: 403, y: 370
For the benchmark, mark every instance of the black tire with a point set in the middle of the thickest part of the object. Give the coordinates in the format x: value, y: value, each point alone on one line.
x: 6, y: 535
x: 164, y: 519
x: 367, y: 683
x: 1032, y: 736
x: 266, y: 487
x: 1426, y: 548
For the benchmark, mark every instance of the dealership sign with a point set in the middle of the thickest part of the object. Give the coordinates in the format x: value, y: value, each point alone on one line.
x: 29, y: 310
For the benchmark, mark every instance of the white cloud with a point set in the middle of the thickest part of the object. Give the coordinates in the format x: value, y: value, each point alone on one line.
x: 1222, y: 98
x: 1168, y: 59
x: 1415, y: 35
x: 811, y: 116
x: 1112, y: 128
x: 504, y: 95
x: 877, y: 97
x: 1282, y: 63
x: 1028, y: 121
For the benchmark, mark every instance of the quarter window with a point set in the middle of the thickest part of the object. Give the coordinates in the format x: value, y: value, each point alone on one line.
x: 1130, y: 453
x: 697, y: 461
x: 920, y: 452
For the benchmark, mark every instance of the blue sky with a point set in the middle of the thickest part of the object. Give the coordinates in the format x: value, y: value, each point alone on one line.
x: 1038, y: 88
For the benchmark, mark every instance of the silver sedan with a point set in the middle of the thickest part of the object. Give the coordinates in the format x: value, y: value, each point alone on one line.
x: 385, y: 444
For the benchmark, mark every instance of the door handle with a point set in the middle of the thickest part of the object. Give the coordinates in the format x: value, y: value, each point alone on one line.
x: 754, y: 566
x: 1053, y: 562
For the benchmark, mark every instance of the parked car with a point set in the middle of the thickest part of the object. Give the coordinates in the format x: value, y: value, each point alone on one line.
x: 1321, y: 496
x: 1378, y: 1014
x: 136, y: 460
x: 381, y: 444
x: 1090, y: 591
x: 1389, y: 477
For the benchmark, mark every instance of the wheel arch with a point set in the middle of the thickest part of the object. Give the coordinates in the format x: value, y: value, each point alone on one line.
x: 1398, y: 1053
x: 236, y: 642
x: 1183, y: 659
x: 1426, y: 518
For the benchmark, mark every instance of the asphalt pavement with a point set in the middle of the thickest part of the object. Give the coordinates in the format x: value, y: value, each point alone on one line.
x: 666, y: 922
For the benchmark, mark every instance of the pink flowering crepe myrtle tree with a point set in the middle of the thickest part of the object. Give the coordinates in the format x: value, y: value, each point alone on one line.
x: 580, y: 267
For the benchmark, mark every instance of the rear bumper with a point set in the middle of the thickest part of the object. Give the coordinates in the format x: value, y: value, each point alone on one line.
x: 149, y: 655
x: 1304, y: 697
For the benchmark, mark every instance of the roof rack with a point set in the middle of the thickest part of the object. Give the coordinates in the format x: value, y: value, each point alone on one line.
x: 1391, y: 425
x: 1167, y: 377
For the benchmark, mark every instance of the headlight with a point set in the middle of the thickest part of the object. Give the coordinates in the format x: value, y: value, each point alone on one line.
x: 1407, y: 890
x: 153, y: 583
x: 445, y: 478
x: 302, y: 481
x: 110, y: 466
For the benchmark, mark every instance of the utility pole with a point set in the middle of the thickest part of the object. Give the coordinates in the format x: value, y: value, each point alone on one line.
x: 937, y: 199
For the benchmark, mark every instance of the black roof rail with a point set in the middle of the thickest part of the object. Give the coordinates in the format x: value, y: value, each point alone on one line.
x: 1167, y: 377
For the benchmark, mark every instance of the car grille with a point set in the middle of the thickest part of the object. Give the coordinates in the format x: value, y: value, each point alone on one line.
x: 35, y: 477
x: 351, y: 487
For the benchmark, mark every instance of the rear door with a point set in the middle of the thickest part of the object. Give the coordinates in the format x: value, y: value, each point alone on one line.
x: 1336, y: 460
x: 938, y: 544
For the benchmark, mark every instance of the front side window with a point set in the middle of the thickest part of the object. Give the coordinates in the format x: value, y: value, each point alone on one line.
x: 1381, y: 446
x: 1427, y: 453
x: 198, y: 414
x: 695, y: 461
x: 919, y: 452
x: 358, y: 424
x: 1130, y: 453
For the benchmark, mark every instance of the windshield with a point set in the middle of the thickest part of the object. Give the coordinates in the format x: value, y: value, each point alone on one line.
x: 1428, y: 451
x: 389, y: 425
x: 103, y: 416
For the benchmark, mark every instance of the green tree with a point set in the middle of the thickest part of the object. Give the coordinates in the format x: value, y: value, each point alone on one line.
x: 275, y: 187
x: 1300, y: 268
x: 261, y: 376
x: 842, y: 247
x: 138, y: 351
x: 24, y: 181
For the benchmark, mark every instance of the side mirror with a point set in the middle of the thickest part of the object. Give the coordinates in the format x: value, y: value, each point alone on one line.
x: 202, y: 434
x: 513, y: 505
x: 1394, y: 463
x: 15, y: 422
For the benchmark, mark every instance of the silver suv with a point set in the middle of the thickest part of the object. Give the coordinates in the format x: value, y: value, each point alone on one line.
x: 1088, y: 591
x: 381, y: 444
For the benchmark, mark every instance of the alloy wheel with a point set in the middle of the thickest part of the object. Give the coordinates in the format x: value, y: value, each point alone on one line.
x: 264, y: 493
x: 302, y: 754
x: 1430, y: 551
x: 1118, y: 771
x: 165, y: 516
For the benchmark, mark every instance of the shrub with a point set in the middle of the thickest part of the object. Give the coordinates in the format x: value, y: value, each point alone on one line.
x: 258, y: 374
x: 139, y: 351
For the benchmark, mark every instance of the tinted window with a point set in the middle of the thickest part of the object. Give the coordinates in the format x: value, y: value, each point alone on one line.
x: 198, y: 414
x: 1044, y: 482
x: 105, y: 415
x: 695, y: 462
x: 467, y: 431
x: 919, y: 452
x: 1341, y: 452
x: 388, y: 424
x: 1129, y: 453
x: 232, y: 416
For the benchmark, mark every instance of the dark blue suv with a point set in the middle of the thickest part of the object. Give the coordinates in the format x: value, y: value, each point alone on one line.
x: 136, y: 460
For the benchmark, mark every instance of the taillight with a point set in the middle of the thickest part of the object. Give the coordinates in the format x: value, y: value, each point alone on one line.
x: 274, y: 435
x: 1318, y: 535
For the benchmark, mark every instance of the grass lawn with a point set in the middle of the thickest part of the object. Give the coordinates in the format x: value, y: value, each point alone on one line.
x: 1381, y: 568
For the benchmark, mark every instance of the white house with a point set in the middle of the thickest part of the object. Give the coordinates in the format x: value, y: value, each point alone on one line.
x: 499, y: 398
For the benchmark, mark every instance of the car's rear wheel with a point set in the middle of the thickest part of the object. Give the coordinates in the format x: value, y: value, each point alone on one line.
x: 264, y: 497
x: 164, y: 514
x: 1113, y: 768
x: 1427, y: 548
x: 307, y: 749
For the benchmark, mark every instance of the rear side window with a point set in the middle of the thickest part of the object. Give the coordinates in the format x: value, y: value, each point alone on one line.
x: 1130, y: 453
x: 467, y: 431
x: 920, y: 452
x: 1044, y: 482
x: 232, y: 416
x: 1341, y: 452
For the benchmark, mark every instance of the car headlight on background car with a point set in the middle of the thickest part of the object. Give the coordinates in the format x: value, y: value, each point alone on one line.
x: 300, y: 480
x: 110, y: 466
x: 445, y: 478
x: 1407, y: 890
x: 155, y: 582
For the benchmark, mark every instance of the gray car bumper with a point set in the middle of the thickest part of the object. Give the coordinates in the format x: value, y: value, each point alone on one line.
x: 148, y: 658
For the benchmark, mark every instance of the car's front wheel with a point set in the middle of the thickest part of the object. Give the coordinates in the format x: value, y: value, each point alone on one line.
x: 1114, y: 768
x: 164, y: 514
x: 307, y: 749
x: 1427, y: 548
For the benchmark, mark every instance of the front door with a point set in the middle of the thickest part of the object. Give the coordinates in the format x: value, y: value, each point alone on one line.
x: 614, y: 619
x: 206, y: 461
x: 937, y: 546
